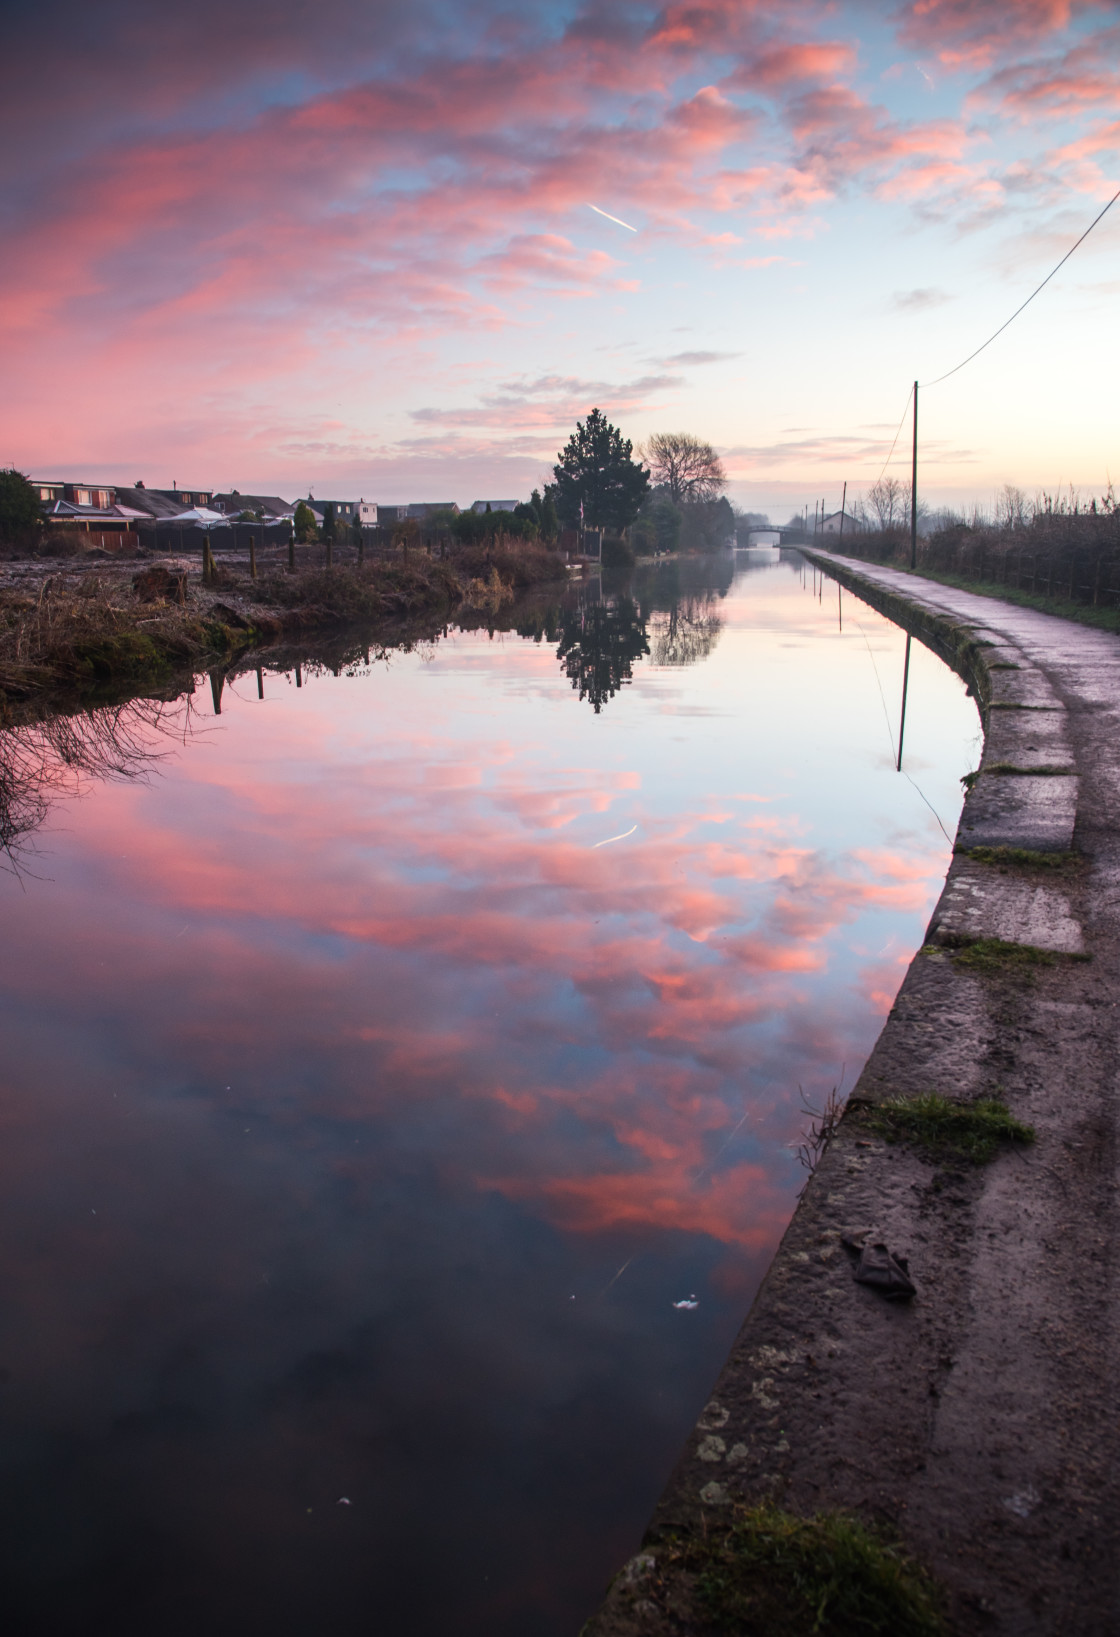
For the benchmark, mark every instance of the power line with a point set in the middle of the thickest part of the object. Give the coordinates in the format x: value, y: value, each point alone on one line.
x: 901, y: 424
x: 1026, y: 303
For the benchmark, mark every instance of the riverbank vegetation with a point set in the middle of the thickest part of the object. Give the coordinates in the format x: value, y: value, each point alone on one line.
x: 96, y: 627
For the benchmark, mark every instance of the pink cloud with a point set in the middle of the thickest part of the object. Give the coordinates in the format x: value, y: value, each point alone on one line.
x: 974, y: 33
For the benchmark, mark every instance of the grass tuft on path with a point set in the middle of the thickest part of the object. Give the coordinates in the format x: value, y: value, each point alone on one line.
x: 771, y: 1571
x: 1021, y: 858
x: 942, y: 1130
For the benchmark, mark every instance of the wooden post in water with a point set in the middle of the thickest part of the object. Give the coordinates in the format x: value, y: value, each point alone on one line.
x: 902, y: 719
x: 913, y: 519
x: 216, y: 680
x: 299, y: 676
x: 260, y: 681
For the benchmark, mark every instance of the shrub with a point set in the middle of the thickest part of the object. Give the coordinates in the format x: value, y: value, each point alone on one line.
x: 21, y: 511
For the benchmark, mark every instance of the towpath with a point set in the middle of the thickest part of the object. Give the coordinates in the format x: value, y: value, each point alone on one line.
x: 979, y: 1421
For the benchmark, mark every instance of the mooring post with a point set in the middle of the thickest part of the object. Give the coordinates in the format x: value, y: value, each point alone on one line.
x: 299, y: 677
x: 216, y: 680
x: 260, y: 682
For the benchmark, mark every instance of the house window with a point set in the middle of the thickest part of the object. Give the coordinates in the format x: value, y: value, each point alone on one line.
x: 83, y: 497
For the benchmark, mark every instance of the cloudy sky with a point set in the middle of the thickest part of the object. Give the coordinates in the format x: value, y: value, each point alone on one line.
x: 350, y: 245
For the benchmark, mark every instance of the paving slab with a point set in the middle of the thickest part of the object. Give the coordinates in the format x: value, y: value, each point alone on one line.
x: 1013, y: 810
x: 979, y: 902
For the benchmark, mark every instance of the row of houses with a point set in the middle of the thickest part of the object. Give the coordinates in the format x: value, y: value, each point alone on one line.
x: 113, y: 507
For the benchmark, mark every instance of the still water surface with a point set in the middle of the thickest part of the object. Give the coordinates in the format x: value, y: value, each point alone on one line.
x: 383, y: 1070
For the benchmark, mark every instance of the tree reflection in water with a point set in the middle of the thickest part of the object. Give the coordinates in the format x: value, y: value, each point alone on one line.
x: 44, y: 761
x: 687, y: 632
x: 599, y: 643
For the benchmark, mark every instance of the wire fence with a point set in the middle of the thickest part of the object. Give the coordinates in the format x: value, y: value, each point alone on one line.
x: 1070, y: 556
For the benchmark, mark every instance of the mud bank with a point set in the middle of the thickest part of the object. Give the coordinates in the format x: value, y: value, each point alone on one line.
x: 974, y: 1424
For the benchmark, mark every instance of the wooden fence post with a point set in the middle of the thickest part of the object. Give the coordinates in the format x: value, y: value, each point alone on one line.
x: 252, y: 556
x: 292, y: 554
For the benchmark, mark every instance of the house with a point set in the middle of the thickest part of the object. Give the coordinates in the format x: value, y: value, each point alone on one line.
x: 345, y: 511
x: 423, y: 509
x: 157, y: 504
x: 270, y: 507
x: 367, y: 513
x: 838, y: 523
x: 99, y: 496
x: 495, y: 505
x: 88, y: 505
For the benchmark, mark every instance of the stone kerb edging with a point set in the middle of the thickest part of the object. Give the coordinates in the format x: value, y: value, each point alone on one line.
x: 833, y: 1398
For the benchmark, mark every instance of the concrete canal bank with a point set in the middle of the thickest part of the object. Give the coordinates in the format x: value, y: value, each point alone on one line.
x: 976, y: 1423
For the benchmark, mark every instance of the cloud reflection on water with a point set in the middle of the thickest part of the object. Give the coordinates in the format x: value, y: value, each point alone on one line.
x: 342, y: 1059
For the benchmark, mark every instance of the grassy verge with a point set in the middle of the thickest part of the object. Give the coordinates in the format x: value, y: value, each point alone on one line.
x: 942, y: 1130
x: 769, y: 1572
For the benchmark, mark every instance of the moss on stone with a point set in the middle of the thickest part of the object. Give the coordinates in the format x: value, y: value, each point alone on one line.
x: 770, y: 1571
x: 943, y: 1130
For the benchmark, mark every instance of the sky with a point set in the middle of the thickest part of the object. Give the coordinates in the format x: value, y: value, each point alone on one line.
x: 351, y: 249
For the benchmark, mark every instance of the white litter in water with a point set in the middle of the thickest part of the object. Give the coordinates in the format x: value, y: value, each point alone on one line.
x: 687, y: 1304
x: 342, y: 1501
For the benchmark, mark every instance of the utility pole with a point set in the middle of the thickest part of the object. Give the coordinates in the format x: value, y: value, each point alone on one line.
x: 914, y: 491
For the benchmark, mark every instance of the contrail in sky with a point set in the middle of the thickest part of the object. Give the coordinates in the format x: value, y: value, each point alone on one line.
x: 622, y: 837
x: 611, y: 218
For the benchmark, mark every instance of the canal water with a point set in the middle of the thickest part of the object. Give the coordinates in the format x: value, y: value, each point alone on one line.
x: 402, y: 1081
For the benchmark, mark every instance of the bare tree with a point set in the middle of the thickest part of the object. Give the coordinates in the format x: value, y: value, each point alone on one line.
x: 888, y: 500
x: 1012, y: 507
x: 685, y: 467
